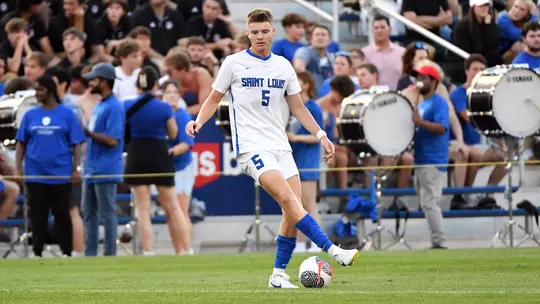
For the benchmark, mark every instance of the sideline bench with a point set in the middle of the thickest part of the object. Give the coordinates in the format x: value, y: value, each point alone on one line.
x: 446, y: 213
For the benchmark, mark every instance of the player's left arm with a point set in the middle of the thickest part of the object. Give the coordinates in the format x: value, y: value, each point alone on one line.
x: 302, y: 114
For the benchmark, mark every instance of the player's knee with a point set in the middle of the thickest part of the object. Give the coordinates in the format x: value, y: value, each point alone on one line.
x: 288, y: 201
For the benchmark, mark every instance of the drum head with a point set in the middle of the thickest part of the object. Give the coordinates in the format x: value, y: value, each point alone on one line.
x: 27, y: 104
x: 388, y: 124
x: 516, y: 102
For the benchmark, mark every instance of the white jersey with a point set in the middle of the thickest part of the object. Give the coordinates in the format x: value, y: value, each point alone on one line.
x: 258, y: 110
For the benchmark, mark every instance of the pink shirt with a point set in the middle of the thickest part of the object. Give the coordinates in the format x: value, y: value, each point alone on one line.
x: 387, y: 61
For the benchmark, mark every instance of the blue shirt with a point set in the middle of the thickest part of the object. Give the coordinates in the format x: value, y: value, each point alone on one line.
x: 308, y: 156
x: 524, y: 57
x: 324, y: 89
x: 150, y: 121
x: 108, y: 118
x: 181, y: 161
x: 329, y: 127
x: 509, y: 32
x: 333, y: 47
x: 49, y: 135
x: 431, y: 148
x: 459, y: 99
x: 285, y: 48
x: 321, y: 69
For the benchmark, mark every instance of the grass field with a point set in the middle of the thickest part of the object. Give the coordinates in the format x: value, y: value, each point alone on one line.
x: 451, y: 276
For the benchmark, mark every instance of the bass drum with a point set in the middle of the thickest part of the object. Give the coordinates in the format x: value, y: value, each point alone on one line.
x: 376, y: 123
x: 505, y: 100
x: 12, y: 109
x: 223, y: 120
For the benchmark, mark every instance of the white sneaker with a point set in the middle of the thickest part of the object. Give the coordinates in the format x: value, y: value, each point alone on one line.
x: 189, y: 252
x: 280, y: 280
x: 75, y: 254
x: 345, y: 257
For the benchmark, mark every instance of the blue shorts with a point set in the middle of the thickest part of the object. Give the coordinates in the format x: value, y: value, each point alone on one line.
x: 309, y: 176
x: 2, y: 186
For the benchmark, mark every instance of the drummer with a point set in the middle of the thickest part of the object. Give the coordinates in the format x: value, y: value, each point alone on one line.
x: 368, y: 76
x: 431, y: 147
x: 459, y: 152
x: 473, y: 65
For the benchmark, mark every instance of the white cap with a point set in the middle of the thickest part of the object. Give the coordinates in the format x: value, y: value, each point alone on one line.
x: 478, y: 2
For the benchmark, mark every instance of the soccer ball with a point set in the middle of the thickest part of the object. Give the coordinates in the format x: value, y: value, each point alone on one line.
x: 315, y: 272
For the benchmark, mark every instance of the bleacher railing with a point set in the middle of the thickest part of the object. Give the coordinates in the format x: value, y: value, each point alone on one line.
x: 334, y: 18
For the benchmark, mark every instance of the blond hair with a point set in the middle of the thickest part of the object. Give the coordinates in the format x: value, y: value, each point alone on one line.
x: 260, y: 15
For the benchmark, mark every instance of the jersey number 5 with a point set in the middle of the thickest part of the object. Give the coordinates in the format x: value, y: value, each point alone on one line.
x: 257, y: 161
x: 265, y: 98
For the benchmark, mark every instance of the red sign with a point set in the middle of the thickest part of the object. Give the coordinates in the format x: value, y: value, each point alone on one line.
x: 208, y: 156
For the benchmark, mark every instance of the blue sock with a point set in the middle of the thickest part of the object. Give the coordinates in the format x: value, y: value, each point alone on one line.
x: 285, y: 247
x: 309, y: 227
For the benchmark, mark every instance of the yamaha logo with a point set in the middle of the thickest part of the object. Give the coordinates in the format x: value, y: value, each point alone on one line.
x: 387, y: 102
x: 527, y: 78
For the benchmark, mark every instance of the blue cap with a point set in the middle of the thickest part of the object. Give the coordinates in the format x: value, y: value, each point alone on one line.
x: 101, y: 70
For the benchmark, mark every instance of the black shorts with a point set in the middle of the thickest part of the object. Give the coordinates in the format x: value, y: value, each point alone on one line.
x: 149, y: 156
x: 76, y: 196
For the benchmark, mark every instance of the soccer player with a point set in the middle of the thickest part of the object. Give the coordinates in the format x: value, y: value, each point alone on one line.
x: 263, y: 89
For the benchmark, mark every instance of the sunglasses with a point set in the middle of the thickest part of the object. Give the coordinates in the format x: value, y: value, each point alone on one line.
x: 420, y: 46
x: 343, y: 53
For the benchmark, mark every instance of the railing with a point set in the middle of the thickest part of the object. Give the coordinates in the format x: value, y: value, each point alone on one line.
x: 334, y: 18
x: 384, y: 7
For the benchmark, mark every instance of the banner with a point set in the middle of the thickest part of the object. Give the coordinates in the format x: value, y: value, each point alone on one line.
x: 232, y: 193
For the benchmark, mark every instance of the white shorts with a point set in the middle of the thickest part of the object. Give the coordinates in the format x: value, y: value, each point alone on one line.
x: 185, y: 179
x: 255, y: 164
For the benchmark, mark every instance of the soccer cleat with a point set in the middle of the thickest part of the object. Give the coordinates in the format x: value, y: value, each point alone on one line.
x: 280, y: 280
x: 345, y: 257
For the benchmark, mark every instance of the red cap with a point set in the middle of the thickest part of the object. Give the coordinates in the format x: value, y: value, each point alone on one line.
x: 429, y: 70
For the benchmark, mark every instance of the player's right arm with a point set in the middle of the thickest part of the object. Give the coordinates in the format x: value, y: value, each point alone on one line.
x: 221, y: 85
x: 208, y: 109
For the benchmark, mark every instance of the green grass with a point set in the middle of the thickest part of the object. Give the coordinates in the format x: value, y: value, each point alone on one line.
x: 451, y: 276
